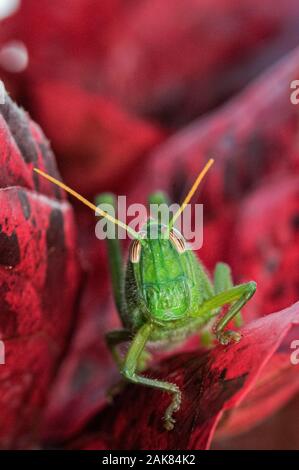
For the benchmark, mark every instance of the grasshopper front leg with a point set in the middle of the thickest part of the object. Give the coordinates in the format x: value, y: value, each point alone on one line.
x: 129, y: 372
x: 245, y: 293
x: 237, y: 297
x: 222, y: 282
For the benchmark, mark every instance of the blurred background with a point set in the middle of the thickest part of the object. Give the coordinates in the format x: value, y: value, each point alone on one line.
x: 135, y: 95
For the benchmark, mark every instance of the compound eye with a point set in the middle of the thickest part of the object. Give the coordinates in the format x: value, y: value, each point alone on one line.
x: 135, y: 251
x: 177, y: 240
x: 135, y: 248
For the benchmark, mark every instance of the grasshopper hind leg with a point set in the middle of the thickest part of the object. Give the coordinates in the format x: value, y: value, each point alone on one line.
x: 115, y: 257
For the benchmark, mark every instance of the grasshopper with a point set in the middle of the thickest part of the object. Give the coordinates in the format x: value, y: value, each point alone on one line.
x: 164, y: 294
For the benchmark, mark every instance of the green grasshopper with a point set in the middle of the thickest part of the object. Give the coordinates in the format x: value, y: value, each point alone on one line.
x: 164, y: 294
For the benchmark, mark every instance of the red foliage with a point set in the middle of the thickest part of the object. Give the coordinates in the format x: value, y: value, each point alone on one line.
x: 171, y: 60
x: 38, y: 275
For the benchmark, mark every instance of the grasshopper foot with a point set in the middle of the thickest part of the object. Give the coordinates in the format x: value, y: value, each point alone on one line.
x: 169, y: 421
x: 228, y: 336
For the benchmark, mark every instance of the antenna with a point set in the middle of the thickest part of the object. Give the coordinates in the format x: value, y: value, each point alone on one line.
x: 87, y: 203
x: 191, y: 192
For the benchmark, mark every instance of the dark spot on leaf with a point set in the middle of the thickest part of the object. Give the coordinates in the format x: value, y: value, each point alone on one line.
x: 220, y: 391
x: 256, y: 151
x: 272, y: 264
x: 24, y: 203
x: 8, y: 320
x: 294, y: 222
x: 244, y: 168
x: 9, y: 249
x: 49, y: 162
x: 242, y: 348
x: 82, y: 376
x: 278, y: 292
x: 55, y: 232
x: 222, y: 374
x: 165, y: 109
x: 55, y: 259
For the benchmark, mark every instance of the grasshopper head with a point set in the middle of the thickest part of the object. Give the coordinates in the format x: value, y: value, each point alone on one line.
x: 159, y: 269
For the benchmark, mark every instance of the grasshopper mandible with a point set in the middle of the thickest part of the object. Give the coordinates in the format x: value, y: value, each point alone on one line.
x: 164, y: 293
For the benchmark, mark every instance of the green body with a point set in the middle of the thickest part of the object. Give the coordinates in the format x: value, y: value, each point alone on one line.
x: 165, y: 296
x: 165, y: 288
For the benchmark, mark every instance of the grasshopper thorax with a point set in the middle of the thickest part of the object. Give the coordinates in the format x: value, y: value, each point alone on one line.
x: 159, y: 265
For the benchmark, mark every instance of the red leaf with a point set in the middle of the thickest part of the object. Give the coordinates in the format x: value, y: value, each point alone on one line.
x: 279, y: 431
x: 247, y: 138
x: 87, y: 372
x: 212, y: 382
x: 38, y: 275
x: 267, y: 239
x: 95, y: 137
x: 22, y: 146
x: 277, y: 383
x: 185, y: 56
